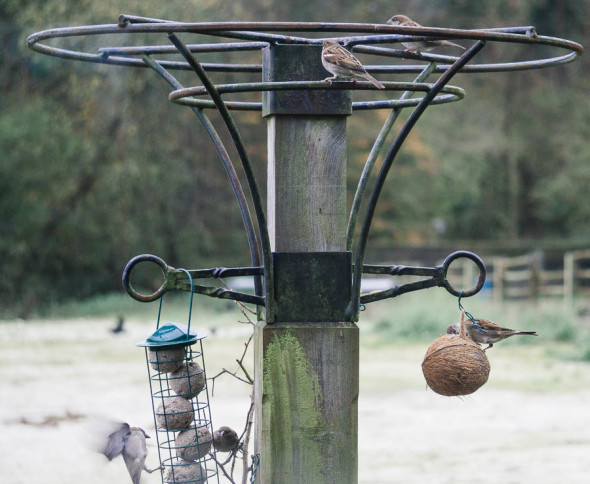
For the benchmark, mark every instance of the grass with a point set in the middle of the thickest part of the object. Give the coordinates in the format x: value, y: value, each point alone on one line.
x: 419, y: 318
x: 536, y: 394
x: 412, y: 318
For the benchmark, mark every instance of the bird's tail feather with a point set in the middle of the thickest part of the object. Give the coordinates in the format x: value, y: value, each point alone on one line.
x: 452, y: 44
x: 374, y: 81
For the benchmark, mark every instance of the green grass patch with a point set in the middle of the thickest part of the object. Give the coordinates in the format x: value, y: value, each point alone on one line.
x: 425, y: 316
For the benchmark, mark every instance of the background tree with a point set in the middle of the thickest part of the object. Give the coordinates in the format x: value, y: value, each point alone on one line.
x: 96, y: 166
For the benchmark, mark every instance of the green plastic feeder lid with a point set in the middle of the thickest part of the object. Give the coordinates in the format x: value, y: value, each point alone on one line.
x: 170, y: 334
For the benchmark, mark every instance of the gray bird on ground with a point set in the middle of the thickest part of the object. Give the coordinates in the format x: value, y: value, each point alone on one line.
x: 483, y: 331
x: 225, y: 439
x: 129, y: 442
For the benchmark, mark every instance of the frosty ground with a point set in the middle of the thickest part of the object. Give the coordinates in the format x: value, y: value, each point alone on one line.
x: 529, y: 423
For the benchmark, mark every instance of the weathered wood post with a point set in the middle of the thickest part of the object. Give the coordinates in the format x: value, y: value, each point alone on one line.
x: 307, y: 358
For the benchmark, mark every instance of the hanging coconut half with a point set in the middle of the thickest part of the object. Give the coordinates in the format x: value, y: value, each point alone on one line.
x: 455, y: 365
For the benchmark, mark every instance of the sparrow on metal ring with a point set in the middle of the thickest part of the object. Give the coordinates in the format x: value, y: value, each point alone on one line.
x: 419, y: 45
x: 341, y: 63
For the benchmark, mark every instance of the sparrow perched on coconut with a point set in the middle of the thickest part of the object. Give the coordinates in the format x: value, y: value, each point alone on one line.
x: 419, y: 45
x: 342, y: 64
x: 483, y: 331
x: 130, y: 443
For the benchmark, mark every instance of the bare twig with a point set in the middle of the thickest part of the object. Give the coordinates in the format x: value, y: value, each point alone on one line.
x: 224, y: 371
x: 244, y: 439
x: 250, y: 380
x: 220, y: 465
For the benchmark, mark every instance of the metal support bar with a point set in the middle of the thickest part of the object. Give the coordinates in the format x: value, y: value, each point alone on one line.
x: 353, y: 309
x: 235, y: 135
x: 229, y: 168
x: 438, y: 278
x: 372, y: 159
x: 177, y: 279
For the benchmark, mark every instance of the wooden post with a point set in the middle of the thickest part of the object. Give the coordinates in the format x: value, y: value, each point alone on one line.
x: 569, y: 281
x: 306, y: 361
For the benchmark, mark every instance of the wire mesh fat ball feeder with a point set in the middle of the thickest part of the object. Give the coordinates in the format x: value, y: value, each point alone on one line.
x: 180, y: 402
x: 307, y: 268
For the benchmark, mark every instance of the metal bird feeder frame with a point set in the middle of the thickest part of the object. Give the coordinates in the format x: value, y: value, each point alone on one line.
x: 328, y: 276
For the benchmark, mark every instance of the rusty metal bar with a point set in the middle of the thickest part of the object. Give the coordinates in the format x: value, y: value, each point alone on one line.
x: 184, y: 96
x: 242, y: 153
x: 353, y: 309
x: 181, y: 279
x: 167, y: 49
x: 438, y: 277
x: 300, y: 85
x: 229, y: 168
x: 389, y: 33
x: 371, y: 160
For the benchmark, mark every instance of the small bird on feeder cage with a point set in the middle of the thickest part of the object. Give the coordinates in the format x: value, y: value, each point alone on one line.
x: 341, y: 63
x: 130, y: 442
x: 419, y: 45
x: 225, y: 439
x: 485, y: 332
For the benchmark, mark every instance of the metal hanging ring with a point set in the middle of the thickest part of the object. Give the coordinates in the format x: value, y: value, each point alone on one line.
x: 480, y: 266
x: 127, y: 274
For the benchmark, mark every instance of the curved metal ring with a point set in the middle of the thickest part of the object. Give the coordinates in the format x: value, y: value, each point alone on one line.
x: 480, y: 266
x: 127, y: 274
x: 258, y: 31
x: 184, y: 96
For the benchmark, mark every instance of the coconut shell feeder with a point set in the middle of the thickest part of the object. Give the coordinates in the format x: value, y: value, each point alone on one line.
x: 180, y: 402
x: 455, y: 365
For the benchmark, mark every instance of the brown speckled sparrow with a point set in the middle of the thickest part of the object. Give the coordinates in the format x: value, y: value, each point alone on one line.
x: 419, y: 45
x: 341, y: 63
x: 486, y: 332
x: 130, y: 442
x: 225, y: 439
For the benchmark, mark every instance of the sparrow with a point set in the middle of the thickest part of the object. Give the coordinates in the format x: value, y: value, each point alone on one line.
x: 485, y: 332
x: 225, y: 439
x: 419, y: 45
x: 341, y: 63
x: 130, y: 442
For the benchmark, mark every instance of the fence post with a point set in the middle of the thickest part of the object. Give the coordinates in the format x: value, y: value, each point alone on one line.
x: 569, y: 277
x: 498, y: 278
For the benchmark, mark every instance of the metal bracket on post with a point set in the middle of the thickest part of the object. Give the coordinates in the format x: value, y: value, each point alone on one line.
x: 312, y: 286
x: 293, y: 63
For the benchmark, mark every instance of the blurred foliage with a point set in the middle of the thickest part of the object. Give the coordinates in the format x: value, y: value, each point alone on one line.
x: 96, y: 166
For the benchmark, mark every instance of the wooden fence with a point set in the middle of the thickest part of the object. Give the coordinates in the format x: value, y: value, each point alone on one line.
x: 529, y: 276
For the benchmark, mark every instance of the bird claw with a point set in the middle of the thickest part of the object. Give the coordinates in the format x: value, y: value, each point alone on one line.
x: 160, y: 468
